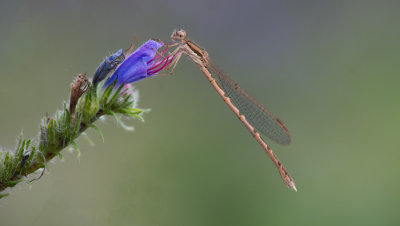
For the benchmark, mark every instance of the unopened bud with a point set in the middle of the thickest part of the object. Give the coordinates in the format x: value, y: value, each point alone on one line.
x: 78, y: 88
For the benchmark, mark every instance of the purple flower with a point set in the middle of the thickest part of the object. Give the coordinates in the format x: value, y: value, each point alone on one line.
x: 142, y: 63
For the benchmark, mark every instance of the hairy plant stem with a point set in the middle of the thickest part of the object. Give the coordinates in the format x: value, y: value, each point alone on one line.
x: 51, y: 152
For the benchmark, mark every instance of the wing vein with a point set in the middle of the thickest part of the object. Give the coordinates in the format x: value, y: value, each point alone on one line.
x: 257, y: 115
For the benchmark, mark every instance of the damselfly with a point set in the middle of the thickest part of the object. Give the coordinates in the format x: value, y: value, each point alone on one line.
x: 255, y: 117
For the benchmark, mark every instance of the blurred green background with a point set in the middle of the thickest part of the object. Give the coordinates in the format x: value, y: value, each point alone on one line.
x: 329, y: 69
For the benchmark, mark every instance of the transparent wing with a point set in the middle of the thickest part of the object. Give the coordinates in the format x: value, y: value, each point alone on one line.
x: 256, y: 114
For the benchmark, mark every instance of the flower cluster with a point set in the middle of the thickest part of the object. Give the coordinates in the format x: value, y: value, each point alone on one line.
x: 142, y: 63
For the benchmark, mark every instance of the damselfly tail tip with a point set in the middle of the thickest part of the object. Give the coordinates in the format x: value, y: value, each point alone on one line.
x: 289, y: 182
x: 292, y: 185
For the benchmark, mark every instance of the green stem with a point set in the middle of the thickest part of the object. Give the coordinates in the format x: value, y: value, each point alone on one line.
x: 51, y: 153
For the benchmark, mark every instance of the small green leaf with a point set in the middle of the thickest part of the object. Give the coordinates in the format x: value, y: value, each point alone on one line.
x: 76, y: 127
x: 1, y: 160
x: 2, y: 195
x: 30, y: 158
x: 115, y: 96
x: 98, y: 131
x: 7, y: 166
x: 27, y: 144
x: 87, y: 138
x: 107, y: 93
x: 75, y: 146
x: 119, y: 122
x: 19, y: 143
x: 51, y: 131
x: 12, y: 183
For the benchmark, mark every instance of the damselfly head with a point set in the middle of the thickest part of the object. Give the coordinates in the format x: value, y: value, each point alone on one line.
x: 178, y: 35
